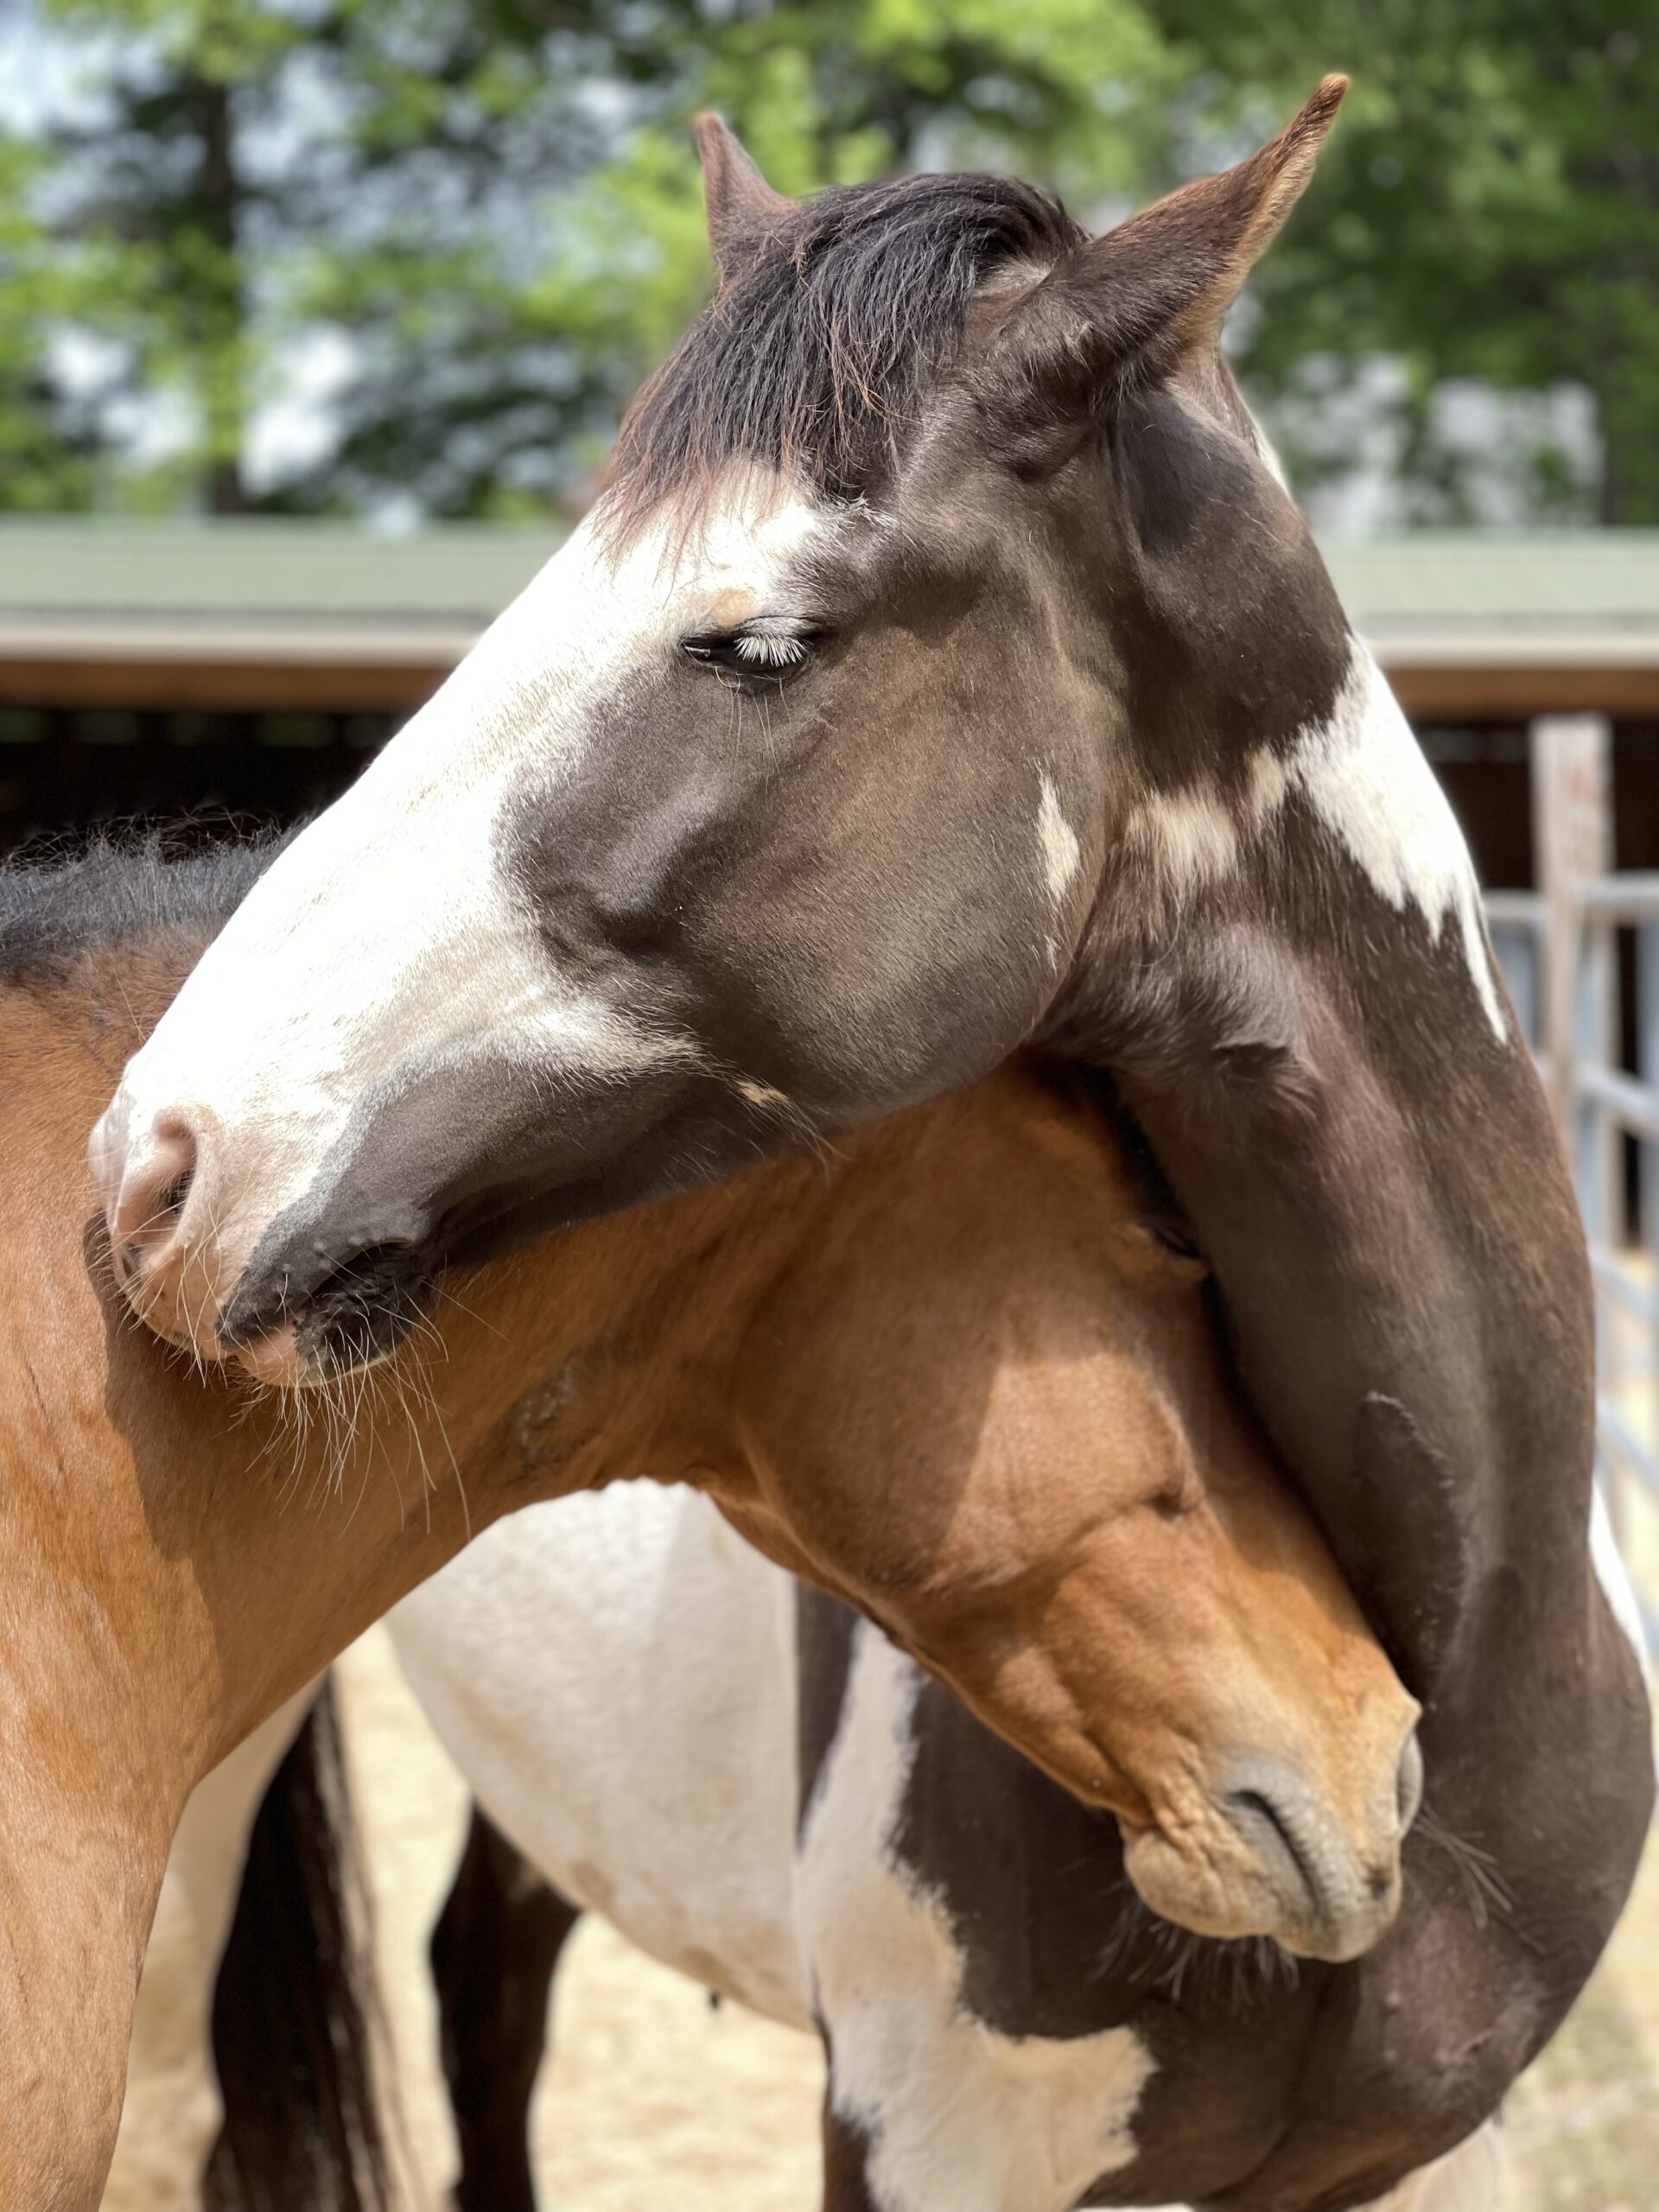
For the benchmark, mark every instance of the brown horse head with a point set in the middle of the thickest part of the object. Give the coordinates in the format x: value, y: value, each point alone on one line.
x: 1076, y: 1522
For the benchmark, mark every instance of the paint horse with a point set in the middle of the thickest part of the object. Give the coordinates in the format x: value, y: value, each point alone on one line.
x: 908, y: 1396
x: 946, y: 667
x: 760, y: 1790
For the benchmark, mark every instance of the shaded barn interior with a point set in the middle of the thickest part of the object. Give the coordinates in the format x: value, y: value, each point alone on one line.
x: 166, y: 669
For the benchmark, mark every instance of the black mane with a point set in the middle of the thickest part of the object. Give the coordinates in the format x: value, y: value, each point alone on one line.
x: 55, y: 906
x: 814, y: 356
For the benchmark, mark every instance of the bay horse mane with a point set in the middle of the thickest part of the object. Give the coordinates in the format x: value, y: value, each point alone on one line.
x: 814, y: 359
x: 60, y: 902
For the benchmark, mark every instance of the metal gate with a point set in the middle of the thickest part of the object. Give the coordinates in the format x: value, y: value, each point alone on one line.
x: 1582, y: 956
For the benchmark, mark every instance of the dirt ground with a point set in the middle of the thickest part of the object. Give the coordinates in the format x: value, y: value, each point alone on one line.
x: 655, y: 2100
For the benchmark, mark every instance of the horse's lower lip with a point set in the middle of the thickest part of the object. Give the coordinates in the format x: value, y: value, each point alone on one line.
x: 275, y: 1359
x: 357, y: 1317
x: 283, y: 1360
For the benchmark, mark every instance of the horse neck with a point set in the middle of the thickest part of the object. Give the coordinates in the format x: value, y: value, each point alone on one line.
x: 1286, y: 973
x: 606, y: 1353
x: 881, y: 1370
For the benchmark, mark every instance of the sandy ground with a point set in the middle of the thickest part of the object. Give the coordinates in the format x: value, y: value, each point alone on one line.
x: 656, y: 2103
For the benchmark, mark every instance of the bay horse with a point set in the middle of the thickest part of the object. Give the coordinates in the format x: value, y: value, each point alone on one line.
x: 946, y: 668
x: 960, y: 1371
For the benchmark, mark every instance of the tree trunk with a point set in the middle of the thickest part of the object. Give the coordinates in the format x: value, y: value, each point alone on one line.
x: 223, y: 305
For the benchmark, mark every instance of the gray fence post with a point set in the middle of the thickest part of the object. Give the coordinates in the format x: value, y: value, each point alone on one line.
x: 1572, y: 842
x: 1647, y: 1066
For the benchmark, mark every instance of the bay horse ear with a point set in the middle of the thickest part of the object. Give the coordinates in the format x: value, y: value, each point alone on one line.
x: 1160, y: 284
x: 741, y: 205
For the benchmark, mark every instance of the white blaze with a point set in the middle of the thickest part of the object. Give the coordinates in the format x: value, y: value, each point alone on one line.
x: 387, y: 936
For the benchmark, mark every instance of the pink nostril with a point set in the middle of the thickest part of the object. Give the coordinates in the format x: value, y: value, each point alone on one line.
x: 154, y: 1190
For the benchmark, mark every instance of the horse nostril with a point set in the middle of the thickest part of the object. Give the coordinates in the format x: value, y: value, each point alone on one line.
x: 171, y: 1201
x: 1410, y: 1786
x: 155, y: 1189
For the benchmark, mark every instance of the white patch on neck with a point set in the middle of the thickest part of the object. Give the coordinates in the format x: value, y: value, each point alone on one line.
x: 955, y: 2113
x: 1365, y: 777
x: 1189, y: 835
x: 1364, y: 774
x: 1058, y: 839
x: 1615, y: 1577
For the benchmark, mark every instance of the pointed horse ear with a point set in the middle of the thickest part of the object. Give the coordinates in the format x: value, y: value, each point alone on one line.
x: 741, y: 205
x: 1160, y: 283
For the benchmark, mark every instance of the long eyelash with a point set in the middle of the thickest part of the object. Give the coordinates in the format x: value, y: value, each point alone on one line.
x: 770, y: 649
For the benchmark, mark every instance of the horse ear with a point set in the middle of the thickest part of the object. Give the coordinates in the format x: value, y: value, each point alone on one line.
x: 1160, y: 283
x: 741, y: 205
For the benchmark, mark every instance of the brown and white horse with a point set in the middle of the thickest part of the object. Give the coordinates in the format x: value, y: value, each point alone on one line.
x: 947, y: 667
x: 757, y: 1789
x: 955, y: 1372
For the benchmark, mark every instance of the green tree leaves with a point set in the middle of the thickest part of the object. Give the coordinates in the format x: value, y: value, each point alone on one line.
x: 1488, y: 210
x: 490, y: 209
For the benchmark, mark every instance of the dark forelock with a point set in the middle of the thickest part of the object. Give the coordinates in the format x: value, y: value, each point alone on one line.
x: 814, y: 358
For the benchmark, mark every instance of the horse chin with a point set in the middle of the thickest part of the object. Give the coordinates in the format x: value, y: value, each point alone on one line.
x: 331, y: 1338
x: 275, y: 1361
x: 1224, y: 1892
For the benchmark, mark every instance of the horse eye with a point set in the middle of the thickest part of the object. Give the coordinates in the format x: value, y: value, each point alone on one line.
x: 762, y: 649
x: 1175, y: 1240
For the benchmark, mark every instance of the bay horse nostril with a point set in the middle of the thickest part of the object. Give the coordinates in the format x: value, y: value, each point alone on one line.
x: 1410, y: 1797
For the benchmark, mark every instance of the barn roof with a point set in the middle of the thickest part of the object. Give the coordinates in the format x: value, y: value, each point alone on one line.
x: 263, y: 612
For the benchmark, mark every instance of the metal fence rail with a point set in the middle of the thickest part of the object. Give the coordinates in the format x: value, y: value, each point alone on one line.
x: 1564, y: 949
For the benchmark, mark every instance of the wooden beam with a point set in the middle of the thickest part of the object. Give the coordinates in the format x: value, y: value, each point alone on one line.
x: 223, y: 687
x: 1496, y: 695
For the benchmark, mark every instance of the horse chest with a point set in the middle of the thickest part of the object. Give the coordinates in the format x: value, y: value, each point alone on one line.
x: 948, y: 2109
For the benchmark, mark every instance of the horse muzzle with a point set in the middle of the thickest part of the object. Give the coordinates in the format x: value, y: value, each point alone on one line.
x: 242, y: 1244
x: 1269, y: 1857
